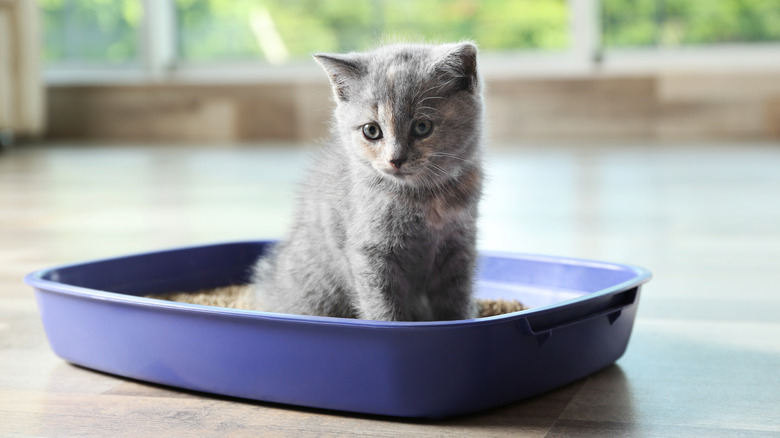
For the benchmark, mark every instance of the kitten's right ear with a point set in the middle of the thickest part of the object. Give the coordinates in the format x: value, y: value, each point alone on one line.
x: 343, y: 71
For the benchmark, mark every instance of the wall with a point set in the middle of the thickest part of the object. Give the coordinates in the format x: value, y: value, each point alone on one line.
x: 663, y: 106
x: 21, y: 91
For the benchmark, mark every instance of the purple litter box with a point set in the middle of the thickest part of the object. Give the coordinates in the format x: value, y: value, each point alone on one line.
x: 95, y: 316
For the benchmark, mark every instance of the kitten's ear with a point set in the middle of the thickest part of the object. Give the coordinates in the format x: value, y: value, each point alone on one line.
x: 343, y: 71
x: 458, y: 63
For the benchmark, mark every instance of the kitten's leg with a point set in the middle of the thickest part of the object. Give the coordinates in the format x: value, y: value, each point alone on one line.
x: 373, y: 296
x: 451, y: 294
x: 381, y: 291
x: 384, y: 290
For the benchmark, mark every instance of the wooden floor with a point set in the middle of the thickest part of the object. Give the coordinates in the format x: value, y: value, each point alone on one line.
x: 704, y: 358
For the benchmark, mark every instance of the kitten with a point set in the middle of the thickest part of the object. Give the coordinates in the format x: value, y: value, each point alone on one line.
x: 386, y: 225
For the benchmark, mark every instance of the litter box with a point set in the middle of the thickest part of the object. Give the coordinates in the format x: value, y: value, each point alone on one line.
x: 95, y: 316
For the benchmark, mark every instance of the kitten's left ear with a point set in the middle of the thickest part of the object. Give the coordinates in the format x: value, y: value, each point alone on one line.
x: 459, y: 63
x: 343, y: 71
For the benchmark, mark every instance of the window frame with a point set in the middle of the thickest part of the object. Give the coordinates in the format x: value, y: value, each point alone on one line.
x: 585, y: 57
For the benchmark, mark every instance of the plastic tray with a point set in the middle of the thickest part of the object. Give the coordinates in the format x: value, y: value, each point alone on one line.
x: 95, y: 316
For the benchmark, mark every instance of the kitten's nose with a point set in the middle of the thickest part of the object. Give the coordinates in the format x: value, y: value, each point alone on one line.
x: 398, y: 162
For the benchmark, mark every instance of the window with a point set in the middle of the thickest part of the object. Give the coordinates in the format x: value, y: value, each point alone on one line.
x: 670, y: 23
x: 278, y: 30
x: 153, y: 39
x: 82, y: 32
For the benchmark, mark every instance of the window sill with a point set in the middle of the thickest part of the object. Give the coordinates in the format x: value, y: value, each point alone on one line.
x: 494, y: 66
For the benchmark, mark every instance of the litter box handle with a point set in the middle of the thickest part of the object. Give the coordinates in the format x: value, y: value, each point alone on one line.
x: 610, y: 306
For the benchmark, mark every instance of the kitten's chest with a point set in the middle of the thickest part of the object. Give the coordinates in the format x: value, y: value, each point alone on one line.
x: 410, y: 216
x: 418, y: 219
x: 441, y: 213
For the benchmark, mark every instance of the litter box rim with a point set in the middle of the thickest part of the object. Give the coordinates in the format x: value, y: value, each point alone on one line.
x: 36, y: 280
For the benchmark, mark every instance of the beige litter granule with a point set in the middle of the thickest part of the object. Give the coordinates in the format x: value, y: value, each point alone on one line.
x: 234, y: 297
x: 239, y: 297
x: 498, y: 307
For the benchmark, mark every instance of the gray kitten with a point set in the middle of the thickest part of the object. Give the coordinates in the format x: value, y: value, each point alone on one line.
x: 386, y: 225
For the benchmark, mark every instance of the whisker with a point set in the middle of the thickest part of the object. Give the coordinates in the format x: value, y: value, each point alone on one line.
x: 442, y: 185
x: 428, y: 108
x: 429, y: 97
x: 453, y: 156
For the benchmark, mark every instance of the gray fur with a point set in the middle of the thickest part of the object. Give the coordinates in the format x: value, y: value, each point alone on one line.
x: 373, y: 241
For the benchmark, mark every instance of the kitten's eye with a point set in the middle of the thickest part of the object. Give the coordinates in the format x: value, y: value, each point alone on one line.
x: 422, y: 128
x: 372, y: 131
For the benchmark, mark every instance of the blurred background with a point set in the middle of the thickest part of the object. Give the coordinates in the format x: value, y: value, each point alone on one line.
x: 616, y: 129
x: 238, y: 71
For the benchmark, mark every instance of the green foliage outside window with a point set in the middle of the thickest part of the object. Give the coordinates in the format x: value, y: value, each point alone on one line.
x: 230, y: 29
x: 108, y: 31
x: 90, y: 31
x: 637, y: 23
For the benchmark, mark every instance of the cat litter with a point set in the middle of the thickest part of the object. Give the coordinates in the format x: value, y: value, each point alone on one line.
x: 97, y: 315
x: 239, y: 296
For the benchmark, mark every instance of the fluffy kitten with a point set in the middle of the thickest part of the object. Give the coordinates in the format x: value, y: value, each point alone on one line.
x: 386, y: 225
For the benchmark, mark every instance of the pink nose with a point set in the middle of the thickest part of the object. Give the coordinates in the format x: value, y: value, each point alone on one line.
x: 397, y: 162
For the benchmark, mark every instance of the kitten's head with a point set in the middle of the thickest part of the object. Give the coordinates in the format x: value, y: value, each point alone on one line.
x: 411, y: 112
